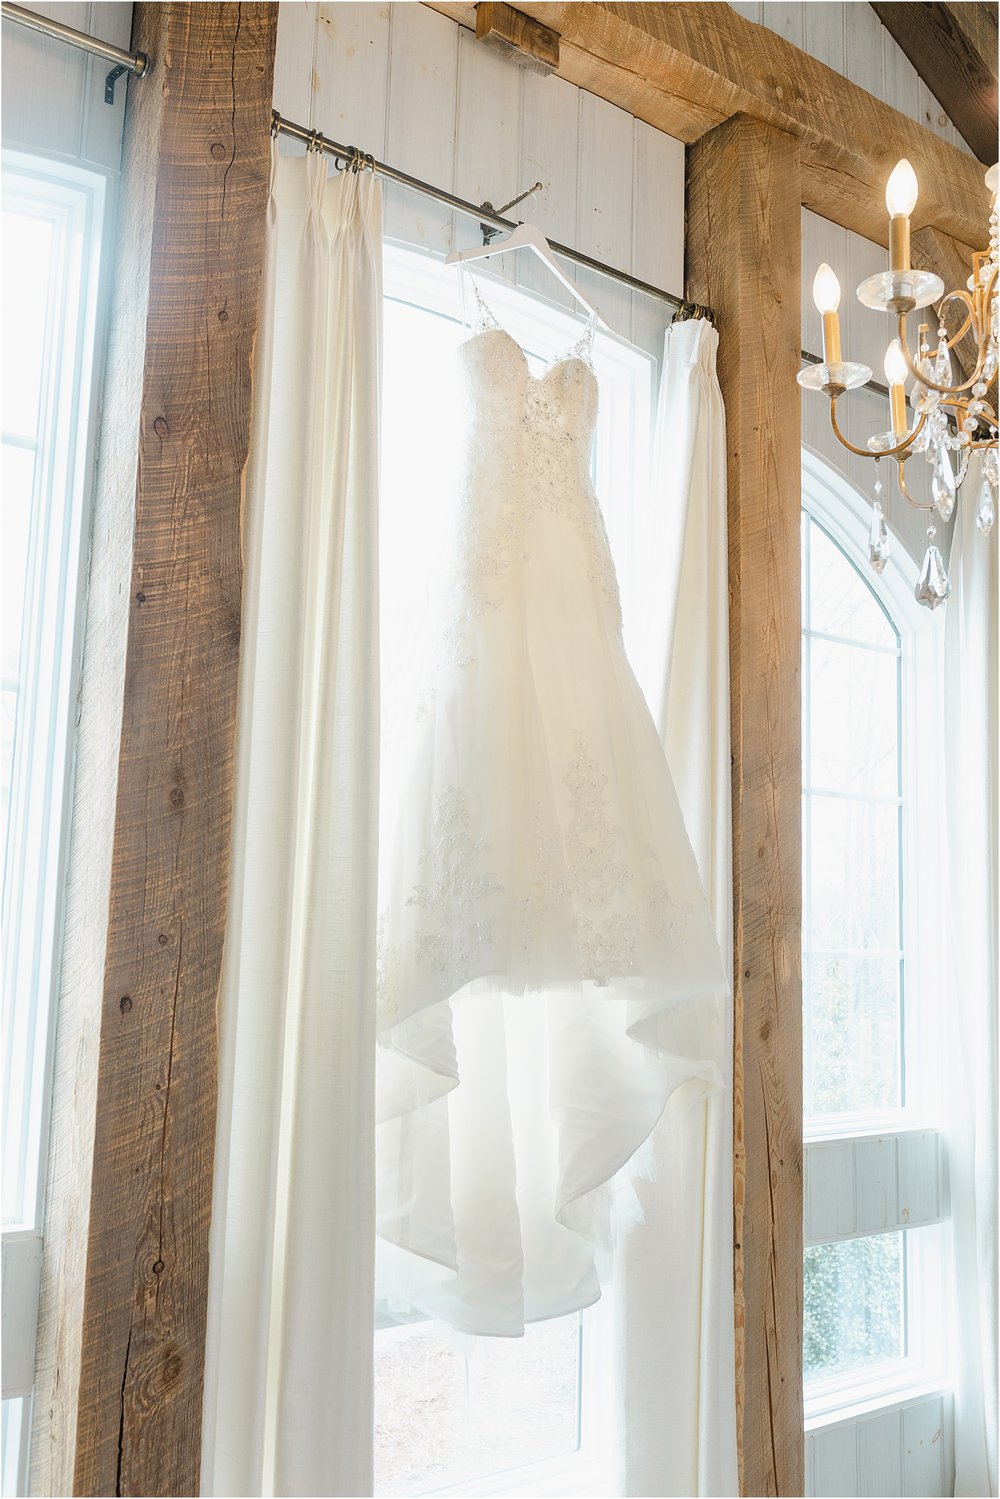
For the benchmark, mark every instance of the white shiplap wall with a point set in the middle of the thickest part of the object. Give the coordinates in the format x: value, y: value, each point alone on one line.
x: 414, y: 89
x: 53, y: 94
x: 851, y: 39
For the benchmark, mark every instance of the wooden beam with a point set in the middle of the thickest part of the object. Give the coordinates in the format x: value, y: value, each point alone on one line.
x: 742, y: 247
x: 954, y: 50
x: 207, y: 102
x: 686, y: 67
x: 513, y: 34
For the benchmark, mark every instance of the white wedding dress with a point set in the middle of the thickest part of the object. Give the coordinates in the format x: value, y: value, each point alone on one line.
x: 548, y: 970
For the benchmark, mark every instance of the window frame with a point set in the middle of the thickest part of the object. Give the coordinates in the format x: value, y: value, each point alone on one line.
x: 80, y: 200
x: 915, y: 1130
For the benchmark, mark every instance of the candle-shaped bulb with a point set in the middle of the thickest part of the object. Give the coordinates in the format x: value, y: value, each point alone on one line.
x: 993, y: 179
x: 826, y: 289
x: 901, y: 190
x: 895, y: 365
x: 896, y: 373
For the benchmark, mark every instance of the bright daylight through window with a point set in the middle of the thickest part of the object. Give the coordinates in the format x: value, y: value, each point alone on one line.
x: 873, y: 1286
x: 452, y: 1409
x: 52, y: 221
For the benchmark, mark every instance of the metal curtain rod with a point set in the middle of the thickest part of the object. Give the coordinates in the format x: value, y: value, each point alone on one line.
x: 358, y: 161
x: 125, y: 62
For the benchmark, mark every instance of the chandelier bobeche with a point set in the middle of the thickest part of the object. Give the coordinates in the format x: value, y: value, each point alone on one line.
x: 952, y: 421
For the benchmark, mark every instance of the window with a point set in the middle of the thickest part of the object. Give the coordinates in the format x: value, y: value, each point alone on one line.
x: 875, y: 1187
x: 53, y: 218
x: 451, y: 1411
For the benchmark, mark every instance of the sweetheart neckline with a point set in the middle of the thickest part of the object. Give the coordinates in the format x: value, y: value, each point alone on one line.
x: 568, y: 358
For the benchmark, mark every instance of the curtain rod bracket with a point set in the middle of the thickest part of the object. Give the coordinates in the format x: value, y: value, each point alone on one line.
x: 111, y: 80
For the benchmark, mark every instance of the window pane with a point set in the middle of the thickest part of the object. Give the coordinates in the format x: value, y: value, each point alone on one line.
x: 853, y: 1042
x: 853, y: 875
x: 840, y: 601
x: 27, y: 249
x: 18, y: 470
x: 853, y: 734
x: 854, y: 1294
x: 450, y: 1409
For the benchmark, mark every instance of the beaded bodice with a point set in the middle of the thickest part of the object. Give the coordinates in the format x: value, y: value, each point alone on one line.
x: 525, y: 476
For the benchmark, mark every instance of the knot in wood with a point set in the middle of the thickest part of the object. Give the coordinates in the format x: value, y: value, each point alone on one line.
x: 218, y: 150
x: 140, y: 598
x: 125, y: 1003
x: 177, y: 796
x: 160, y: 427
x: 163, y: 939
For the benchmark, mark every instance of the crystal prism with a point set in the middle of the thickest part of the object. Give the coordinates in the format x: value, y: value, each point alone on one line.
x: 933, y: 585
x: 878, y: 539
x: 943, y: 484
x: 986, y: 510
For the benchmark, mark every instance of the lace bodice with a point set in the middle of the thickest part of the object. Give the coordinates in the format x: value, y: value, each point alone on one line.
x: 526, y: 462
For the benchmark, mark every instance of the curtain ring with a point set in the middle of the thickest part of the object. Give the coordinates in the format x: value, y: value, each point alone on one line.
x: 315, y: 141
x: 275, y: 124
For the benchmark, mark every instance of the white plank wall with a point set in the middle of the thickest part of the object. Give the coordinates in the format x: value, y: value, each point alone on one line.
x: 851, y: 39
x: 872, y: 1184
x: 53, y: 95
x: 413, y: 88
x: 904, y: 1451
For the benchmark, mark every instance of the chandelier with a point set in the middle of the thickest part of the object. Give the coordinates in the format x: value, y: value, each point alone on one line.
x: 950, y: 421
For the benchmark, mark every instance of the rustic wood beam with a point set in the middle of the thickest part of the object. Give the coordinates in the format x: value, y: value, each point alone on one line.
x: 954, y: 50
x: 513, y: 34
x: 686, y: 67
x: 742, y: 249
x: 205, y: 107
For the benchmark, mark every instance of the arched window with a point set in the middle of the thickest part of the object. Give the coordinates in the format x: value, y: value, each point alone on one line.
x: 874, y: 1346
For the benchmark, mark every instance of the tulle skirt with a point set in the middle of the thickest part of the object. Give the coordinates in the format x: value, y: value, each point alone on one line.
x: 549, y: 972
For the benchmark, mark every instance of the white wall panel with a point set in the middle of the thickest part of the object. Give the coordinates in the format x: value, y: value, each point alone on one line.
x: 550, y: 137
x: 901, y: 1450
x: 420, y: 135
x: 869, y: 1184
x: 604, y: 204
x: 350, y: 74
x: 53, y: 94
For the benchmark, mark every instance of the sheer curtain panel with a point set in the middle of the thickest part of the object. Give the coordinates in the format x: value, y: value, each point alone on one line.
x: 288, y: 1379
x: 674, y: 1304
x: 970, y: 728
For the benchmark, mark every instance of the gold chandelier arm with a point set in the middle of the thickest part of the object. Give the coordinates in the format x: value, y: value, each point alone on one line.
x: 944, y: 390
x: 907, y: 496
x: 966, y: 298
x: 866, y: 452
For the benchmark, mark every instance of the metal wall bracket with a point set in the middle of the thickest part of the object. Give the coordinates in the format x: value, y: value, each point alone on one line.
x: 489, y: 232
x: 111, y: 80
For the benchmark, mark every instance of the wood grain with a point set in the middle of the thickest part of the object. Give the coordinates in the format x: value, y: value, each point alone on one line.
x: 687, y: 67
x: 142, y: 1353
x: 517, y: 36
x: 742, y: 247
x: 954, y: 50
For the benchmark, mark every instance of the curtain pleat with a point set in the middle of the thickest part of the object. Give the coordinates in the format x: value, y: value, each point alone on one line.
x: 288, y: 1379
x: 970, y: 739
x: 674, y: 1276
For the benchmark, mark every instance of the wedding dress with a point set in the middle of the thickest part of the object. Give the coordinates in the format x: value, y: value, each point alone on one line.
x: 548, y: 970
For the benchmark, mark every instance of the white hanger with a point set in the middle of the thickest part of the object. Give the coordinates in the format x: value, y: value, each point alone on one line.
x: 526, y: 237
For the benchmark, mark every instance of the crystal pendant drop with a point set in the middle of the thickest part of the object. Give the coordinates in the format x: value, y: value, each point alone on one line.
x: 986, y: 510
x: 943, y: 484
x: 878, y: 539
x: 933, y: 585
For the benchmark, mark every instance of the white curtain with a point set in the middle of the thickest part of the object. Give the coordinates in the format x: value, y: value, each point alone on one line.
x: 288, y: 1379
x: 970, y: 730
x: 674, y: 1278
